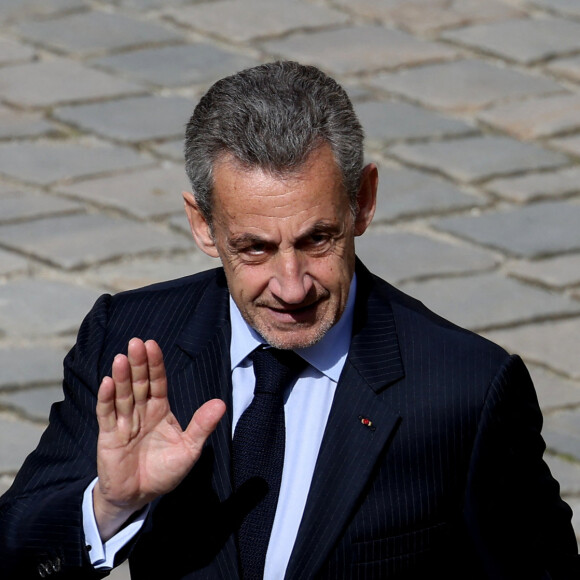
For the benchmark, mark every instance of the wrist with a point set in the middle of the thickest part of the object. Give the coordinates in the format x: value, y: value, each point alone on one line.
x: 112, y: 516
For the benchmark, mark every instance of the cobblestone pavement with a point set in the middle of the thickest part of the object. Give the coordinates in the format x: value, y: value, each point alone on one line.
x: 472, y: 111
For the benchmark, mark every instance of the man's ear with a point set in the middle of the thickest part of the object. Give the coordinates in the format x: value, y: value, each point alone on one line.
x: 366, y: 199
x: 199, y: 227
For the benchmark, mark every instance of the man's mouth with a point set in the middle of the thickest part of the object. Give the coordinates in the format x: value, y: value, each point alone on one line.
x: 294, y: 313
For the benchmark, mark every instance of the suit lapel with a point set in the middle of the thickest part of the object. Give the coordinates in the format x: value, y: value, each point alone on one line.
x: 206, y: 341
x: 350, y: 449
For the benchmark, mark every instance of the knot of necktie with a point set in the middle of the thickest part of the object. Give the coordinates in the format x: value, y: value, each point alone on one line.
x: 275, y: 368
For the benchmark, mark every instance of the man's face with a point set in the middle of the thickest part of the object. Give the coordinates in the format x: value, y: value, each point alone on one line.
x: 286, y: 245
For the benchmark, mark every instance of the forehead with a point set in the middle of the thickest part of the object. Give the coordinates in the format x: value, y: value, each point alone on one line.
x: 240, y: 190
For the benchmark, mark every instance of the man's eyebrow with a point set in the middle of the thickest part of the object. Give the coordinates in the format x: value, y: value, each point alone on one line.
x: 245, y: 240
x: 322, y: 226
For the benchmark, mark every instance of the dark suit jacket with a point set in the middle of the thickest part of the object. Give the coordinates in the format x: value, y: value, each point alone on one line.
x: 448, y: 481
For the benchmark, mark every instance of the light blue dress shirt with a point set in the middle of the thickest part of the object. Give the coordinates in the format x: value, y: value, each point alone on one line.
x: 306, y: 409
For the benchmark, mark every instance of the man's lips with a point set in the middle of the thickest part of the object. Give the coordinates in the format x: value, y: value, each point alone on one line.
x: 295, y: 308
x: 293, y: 313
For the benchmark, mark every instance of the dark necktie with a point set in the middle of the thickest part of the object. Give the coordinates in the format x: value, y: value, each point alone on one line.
x: 258, y: 452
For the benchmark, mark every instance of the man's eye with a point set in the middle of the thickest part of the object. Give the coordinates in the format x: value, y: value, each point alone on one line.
x: 317, y: 239
x: 253, y: 252
x: 256, y: 249
x: 316, y: 243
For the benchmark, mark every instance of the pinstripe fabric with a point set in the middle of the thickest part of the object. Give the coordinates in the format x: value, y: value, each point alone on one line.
x: 40, y: 516
x: 413, y: 516
x: 447, y: 482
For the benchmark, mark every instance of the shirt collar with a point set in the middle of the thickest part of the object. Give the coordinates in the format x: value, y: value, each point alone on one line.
x: 327, y: 356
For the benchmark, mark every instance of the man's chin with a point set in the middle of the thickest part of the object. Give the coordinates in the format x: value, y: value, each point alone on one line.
x: 301, y: 336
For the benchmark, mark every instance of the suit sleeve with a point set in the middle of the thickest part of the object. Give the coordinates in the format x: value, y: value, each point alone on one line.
x: 519, y: 524
x: 41, y: 515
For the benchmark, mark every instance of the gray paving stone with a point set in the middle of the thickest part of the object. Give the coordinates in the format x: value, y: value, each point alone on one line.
x: 553, y: 344
x: 554, y: 391
x: 32, y: 364
x: 12, y: 51
x: 392, y: 121
x: 523, y: 40
x: 11, y: 264
x: 240, y: 22
x: 422, y: 16
x: 32, y: 308
x: 478, y: 158
x: 15, y: 124
x: 142, y: 272
x: 120, y: 573
x: 180, y: 223
x: 133, y: 119
x: 564, y: 7
x: 574, y: 503
x: 569, y: 145
x: 18, y: 440
x: 566, y: 472
x: 488, y: 300
x: 145, y: 194
x: 80, y: 240
x: 62, y: 81
x: 359, y: 48
x: 406, y: 193
x: 12, y: 9
x: 172, y: 149
x: 562, y: 433
x: 46, y: 162
x: 537, y: 230
x: 5, y: 483
x: 94, y: 31
x: 150, y: 4
x: 566, y: 67
x: 535, y: 186
x: 557, y: 272
x: 399, y: 256
x: 34, y: 404
x: 357, y: 93
x: 465, y: 85
x: 172, y: 66
x: 536, y: 117
x: 24, y: 205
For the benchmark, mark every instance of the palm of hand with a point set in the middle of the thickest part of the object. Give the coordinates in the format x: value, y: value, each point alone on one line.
x: 142, y: 450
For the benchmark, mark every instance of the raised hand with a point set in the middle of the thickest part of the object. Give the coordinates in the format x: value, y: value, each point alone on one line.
x: 142, y: 451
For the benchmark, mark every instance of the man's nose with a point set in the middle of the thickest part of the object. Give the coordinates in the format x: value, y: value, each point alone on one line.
x: 290, y: 281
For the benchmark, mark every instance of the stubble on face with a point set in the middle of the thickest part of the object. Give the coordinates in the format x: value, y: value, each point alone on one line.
x: 303, y: 335
x: 287, y: 247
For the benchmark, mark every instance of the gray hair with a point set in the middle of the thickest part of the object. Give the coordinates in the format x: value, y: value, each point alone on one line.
x: 272, y: 116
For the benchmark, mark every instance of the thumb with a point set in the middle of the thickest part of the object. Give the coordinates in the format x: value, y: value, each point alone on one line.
x: 204, y: 422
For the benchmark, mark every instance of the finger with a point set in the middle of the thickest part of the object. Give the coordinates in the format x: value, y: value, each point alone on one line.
x: 124, y: 403
x: 157, y: 376
x: 137, y: 355
x: 204, y: 422
x: 106, y: 415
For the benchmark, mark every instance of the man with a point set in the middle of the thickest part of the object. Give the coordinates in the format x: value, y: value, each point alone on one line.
x: 412, y: 447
